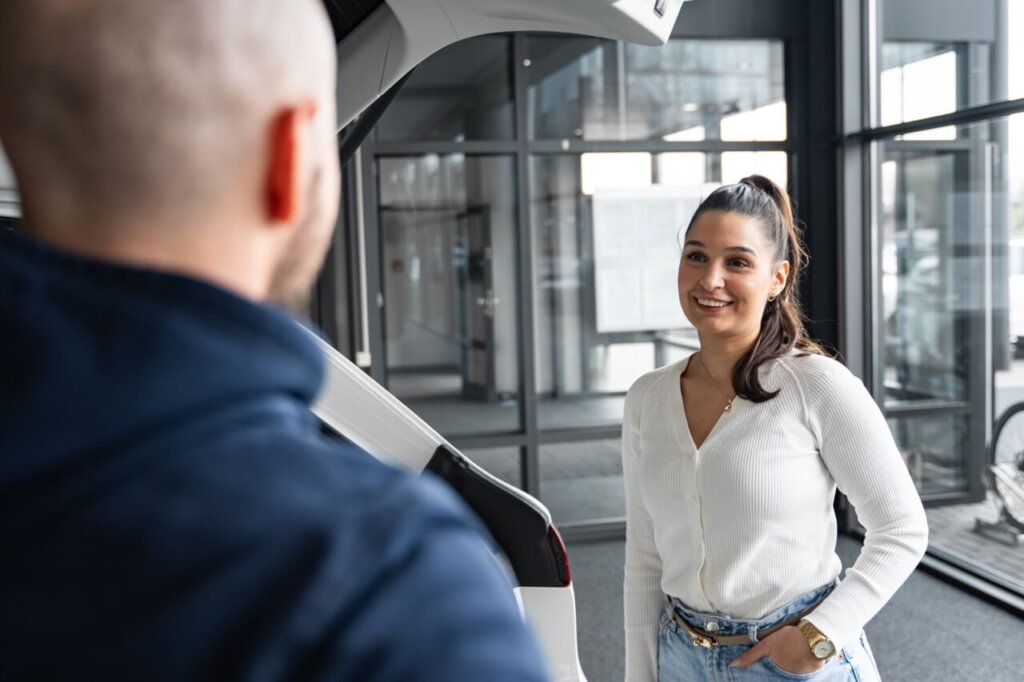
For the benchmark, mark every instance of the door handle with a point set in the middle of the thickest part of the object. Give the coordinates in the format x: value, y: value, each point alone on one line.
x: 488, y: 303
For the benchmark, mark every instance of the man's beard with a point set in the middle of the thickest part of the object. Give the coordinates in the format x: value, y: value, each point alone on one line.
x: 291, y: 284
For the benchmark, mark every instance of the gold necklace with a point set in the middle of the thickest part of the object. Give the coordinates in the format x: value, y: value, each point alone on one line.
x: 728, y: 404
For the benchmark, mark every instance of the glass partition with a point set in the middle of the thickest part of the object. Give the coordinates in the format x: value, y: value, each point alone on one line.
x: 582, y: 481
x: 688, y: 90
x: 449, y: 253
x: 606, y: 307
x: 950, y: 322
x: 938, y: 58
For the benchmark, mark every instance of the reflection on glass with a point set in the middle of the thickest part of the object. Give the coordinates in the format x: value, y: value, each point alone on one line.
x: 582, y: 481
x: 766, y: 122
x: 951, y: 219
x: 448, y: 229
x: 924, y: 283
x: 964, y: 55
x: 918, y: 80
x: 1010, y: 372
x: 1014, y: 41
x: 688, y: 90
x: 464, y: 92
x: 935, y: 450
x: 1009, y: 364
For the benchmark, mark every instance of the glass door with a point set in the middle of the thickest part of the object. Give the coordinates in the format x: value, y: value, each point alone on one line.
x: 448, y: 235
x: 934, y: 313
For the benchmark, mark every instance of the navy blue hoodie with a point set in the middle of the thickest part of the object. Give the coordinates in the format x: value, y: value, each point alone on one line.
x: 170, y: 511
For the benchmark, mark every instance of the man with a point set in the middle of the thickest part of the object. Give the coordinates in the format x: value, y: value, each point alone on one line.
x: 169, y: 509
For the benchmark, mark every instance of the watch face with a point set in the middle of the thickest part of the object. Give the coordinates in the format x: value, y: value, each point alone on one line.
x: 824, y: 649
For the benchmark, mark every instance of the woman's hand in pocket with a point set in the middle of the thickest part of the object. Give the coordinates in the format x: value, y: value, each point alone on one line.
x: 786, y: 648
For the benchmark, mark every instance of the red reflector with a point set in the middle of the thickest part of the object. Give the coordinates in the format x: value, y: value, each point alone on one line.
x: 560, y: 555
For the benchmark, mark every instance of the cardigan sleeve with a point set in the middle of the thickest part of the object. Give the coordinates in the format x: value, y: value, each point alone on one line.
x: 642, y: 595
x: 859, y: 451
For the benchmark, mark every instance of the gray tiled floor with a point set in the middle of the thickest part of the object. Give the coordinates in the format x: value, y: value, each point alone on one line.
x: 436, y: 397
x: 929, y: 632
x: 951, y: 529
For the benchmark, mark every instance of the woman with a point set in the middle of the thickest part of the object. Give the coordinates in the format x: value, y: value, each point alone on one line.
x: 731, y: 460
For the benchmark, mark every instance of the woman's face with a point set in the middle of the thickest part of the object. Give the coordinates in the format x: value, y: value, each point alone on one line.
x: 726, y: 274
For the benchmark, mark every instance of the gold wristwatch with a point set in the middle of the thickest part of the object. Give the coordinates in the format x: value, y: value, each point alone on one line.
x: 822, y: 647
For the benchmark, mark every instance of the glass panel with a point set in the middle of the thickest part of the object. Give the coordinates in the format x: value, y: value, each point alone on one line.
x: 505, y: 463
x: 951, y: 528
x: 448, y: 232
x: 925, y: 310
x: 773, y: 165
x: 606, y: 307
x: 918, y: 80
x: 965, y: 54
x: 582, y: 481
x: 605, y: 256
x: 464, y: 92
x: 935, y: 450
x: 1009, y: 263
x: 952, y: 321
x: 1014, y: 42
x: 584, y: 88
x: 682, y: 169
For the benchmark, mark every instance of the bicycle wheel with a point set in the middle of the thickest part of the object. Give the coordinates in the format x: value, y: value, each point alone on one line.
x: 1008, y: 436
x: 1007, y: 458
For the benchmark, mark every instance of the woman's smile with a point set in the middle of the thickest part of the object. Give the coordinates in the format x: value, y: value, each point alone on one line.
x: 711, y: 305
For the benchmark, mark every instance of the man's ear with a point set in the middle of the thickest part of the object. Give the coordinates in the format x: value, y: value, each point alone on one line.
x: 288, y: 149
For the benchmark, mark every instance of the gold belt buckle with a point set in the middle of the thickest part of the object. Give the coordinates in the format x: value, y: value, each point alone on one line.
x: 700, y: 640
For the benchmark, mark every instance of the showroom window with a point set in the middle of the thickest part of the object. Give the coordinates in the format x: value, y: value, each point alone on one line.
x: 521, y: 203
x: 941, y: 225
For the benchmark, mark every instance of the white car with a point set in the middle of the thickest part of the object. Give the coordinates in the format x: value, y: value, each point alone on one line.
x: 378, y: 44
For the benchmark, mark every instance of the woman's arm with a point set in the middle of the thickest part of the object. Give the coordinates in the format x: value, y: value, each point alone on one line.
x: 643, y: 599
x: 859, y: 451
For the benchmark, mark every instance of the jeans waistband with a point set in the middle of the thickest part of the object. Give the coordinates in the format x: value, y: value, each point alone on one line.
x: 716, y: 623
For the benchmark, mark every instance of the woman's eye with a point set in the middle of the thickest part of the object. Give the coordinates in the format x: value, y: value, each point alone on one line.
x: 695, y: 257
x: 739, y: 263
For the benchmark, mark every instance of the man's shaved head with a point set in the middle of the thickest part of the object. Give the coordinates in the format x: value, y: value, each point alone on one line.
x: 124, y: 112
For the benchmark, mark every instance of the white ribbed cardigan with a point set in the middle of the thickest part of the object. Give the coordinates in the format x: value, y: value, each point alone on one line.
x: 744, y: 524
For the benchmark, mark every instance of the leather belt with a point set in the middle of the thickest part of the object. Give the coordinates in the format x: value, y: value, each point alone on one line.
x: 707, y: 640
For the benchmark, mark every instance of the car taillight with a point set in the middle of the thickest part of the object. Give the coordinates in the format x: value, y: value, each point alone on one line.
x: 560, y: 555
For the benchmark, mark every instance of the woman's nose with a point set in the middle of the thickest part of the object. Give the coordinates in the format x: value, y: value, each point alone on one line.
x: 712, y: 278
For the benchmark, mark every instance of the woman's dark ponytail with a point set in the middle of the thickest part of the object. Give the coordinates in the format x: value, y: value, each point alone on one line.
x: 782, y: 327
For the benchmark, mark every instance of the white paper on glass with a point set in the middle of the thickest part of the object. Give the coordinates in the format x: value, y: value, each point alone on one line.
x: 636, y: 255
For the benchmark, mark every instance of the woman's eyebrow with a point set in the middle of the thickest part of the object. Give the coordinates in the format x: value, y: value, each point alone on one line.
x: 741, y: 249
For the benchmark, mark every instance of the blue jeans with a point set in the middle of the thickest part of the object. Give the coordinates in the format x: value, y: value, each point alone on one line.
x: 680, y: 661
